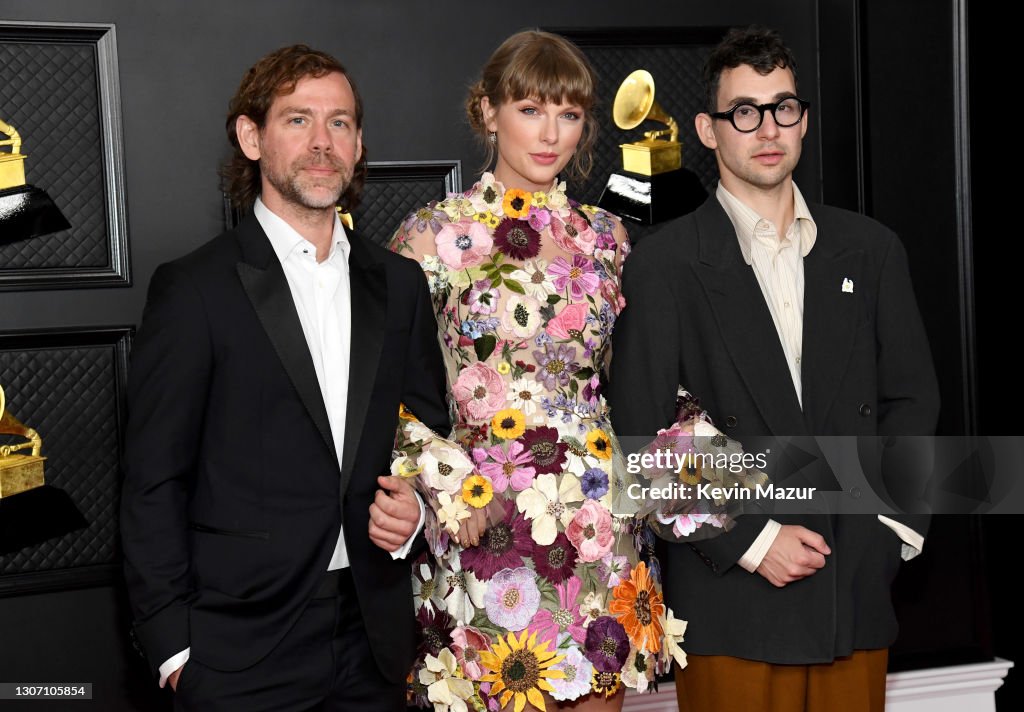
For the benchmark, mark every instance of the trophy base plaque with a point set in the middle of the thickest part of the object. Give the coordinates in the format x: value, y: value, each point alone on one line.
x: 19, y: 473
x: 36, y: 516
x: 27, y: 212
x: 652, y: 156
x: 652, y: 199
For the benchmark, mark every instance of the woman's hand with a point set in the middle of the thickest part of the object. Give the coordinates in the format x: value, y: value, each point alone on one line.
x: 472, y: 528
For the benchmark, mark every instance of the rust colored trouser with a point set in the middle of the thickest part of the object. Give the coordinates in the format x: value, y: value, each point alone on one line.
x: 718, y: 683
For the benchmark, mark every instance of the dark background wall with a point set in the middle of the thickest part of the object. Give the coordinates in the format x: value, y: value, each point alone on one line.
x: 181, y: 61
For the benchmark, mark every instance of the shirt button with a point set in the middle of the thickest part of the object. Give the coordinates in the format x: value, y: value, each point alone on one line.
x: 798, y: 360
x: 787, y: 305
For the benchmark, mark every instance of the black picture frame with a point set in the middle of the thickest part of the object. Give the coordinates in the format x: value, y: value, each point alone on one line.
x: 69, y: 385
x: 78, y: 147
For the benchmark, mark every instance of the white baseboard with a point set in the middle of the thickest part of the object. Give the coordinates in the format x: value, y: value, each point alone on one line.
x: 961, y: 688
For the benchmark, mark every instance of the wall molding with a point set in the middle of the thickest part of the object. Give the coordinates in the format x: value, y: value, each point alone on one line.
x: 942, y: 689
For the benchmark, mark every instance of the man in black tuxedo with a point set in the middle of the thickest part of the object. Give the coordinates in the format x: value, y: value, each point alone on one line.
x: 784, y: 319
x: 263, y: 553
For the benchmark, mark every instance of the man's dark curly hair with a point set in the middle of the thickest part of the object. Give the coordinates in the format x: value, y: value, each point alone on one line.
x: 273, y: 76
x: 759, y: 47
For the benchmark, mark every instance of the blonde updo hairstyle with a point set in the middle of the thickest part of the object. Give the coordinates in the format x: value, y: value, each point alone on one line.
x: 541, y: 66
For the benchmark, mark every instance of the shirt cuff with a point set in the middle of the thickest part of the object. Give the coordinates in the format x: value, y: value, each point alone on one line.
x: 403, y: 551
x: 753, y: 556
x: 913, y: 543
x: 172, y: 664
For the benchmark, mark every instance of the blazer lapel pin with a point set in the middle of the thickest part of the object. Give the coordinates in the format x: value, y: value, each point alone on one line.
x: 847, y: 285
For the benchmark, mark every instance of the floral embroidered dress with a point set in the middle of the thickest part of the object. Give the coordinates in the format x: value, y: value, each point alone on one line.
x: 561, y: 594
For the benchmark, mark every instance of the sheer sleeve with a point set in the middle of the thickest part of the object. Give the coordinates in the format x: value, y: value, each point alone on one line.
x: 692, y: 481
x: 441, y: 469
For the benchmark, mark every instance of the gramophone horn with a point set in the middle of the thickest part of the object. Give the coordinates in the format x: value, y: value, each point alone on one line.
x: 634, y: 102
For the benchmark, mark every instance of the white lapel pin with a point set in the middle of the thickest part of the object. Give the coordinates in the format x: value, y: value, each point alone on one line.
x: 847, y: 285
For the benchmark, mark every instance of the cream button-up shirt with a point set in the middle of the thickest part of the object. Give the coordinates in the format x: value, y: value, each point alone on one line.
x: 778, y: 264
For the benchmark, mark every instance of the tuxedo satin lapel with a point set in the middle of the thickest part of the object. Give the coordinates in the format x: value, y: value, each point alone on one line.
x: 369, y: 311
x: 830, y: 323
x: 745, y: 323
x: 267, y: 288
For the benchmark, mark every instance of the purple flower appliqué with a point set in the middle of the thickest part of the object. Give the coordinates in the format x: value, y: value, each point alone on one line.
x: 556, y: 364
x: 548, y: 452
x: 502, y: 546
x: 556, y: 561
x: 607, y: 645
x: 517, y: 238
x: 594, y: 483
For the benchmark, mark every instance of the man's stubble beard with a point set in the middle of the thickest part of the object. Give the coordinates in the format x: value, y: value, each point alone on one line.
x: 290, y: 186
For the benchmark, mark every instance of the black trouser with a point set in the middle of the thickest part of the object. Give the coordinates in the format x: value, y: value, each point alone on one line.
x: 324, y: 663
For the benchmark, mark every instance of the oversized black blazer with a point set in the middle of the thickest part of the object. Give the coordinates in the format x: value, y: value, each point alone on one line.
x: 233, y: 496
x: 696, y: 316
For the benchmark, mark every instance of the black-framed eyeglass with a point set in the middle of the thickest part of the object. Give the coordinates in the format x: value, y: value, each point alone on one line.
x: 746, y: 118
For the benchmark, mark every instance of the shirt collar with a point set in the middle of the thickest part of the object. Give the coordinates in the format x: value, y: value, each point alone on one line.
x: 286, y: 240
x: 744, y: 220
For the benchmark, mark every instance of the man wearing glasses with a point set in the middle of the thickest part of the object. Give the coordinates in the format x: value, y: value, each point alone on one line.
x: 784, y: 319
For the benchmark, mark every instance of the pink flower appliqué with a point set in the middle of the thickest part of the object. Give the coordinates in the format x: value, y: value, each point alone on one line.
x: 613, y: 295
x: 539, y: 218
x: 574, y: 235
x: 482, y: 299
x: 590, y: 531
x: 579, y: 276
x: 686, y: 524
x: 512, y: 598
x: 512, y: 467
x: 614, y: 569
x: 567, y: 618
x: 463, y: 244
x: 571, y: 319
x: 467, y: 643
x: 480, y: 391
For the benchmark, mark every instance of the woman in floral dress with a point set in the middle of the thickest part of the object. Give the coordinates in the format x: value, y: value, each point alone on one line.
x: 537, y: 593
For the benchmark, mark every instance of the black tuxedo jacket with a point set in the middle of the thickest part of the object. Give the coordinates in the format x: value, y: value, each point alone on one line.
x: 695, y: 316
x: 233, y: 496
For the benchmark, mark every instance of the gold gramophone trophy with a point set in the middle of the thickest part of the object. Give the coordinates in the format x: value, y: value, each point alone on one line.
x: 25, y: 211
x: 19, y: 471
x: 654, y: 186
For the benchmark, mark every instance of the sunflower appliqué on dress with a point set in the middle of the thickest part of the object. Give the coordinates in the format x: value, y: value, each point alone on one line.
x: 556, y: 597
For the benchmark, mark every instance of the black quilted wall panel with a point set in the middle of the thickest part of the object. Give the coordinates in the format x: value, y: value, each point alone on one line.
x: 49, y: 94
x: 67, y: 386
x: 386, y: 202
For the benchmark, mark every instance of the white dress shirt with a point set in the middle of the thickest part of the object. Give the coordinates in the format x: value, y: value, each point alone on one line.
x: 322, y: 299
x: 778, y: 264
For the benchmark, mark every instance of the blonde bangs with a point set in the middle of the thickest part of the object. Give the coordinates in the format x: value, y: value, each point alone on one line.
x: 549, y: 72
